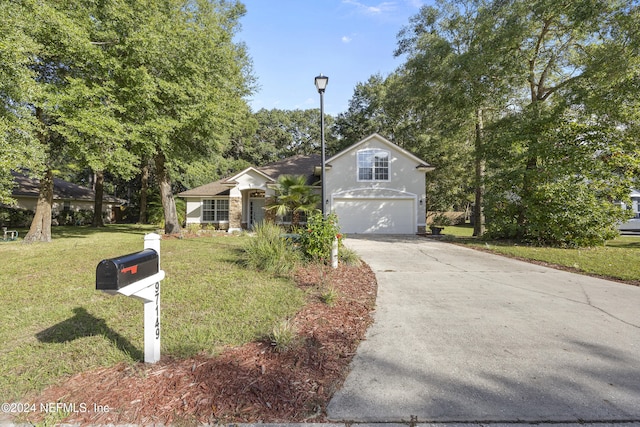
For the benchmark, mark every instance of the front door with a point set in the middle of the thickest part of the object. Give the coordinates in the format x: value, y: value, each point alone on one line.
x: 256, y: 211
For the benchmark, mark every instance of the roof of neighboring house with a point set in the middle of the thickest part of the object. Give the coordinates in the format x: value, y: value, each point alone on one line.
x: 296, y: 165
x: 62, y: 190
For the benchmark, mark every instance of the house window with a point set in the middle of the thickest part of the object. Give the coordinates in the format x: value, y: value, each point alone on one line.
x: 215, y: 210
x: 373, y: 165
x: 288, y: 218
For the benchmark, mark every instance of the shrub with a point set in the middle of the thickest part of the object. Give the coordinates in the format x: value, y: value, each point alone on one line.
x: 193, y: 228
x: 15, y: 217
x: 269, y: 251
x: 317, y: 238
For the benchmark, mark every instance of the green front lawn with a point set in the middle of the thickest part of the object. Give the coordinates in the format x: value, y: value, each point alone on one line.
x: 54, y: 323
x: 618, y: 259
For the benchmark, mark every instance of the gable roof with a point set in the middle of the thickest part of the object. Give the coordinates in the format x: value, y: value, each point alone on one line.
x: 234, y: 178
x: 216, y: 188
x: 385, y: 141
x: 25, y: 186
x: 296, y: 165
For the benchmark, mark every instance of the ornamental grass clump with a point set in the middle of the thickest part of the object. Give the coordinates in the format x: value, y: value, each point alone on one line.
x: 283, y: 337
x: 269, y: 251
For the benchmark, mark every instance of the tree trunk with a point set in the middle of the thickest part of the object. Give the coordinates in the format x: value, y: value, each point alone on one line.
x: 478, y: 212
x: 144, y: 190
x: 97, y: 203
x: 171, y: 223
x: 40, y: 230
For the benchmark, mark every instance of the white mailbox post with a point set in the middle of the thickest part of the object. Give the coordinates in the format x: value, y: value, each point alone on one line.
x: 138, y: 275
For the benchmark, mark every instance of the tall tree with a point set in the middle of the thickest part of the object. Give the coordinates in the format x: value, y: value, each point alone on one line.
x: 449, y: 83
x: 18, y: 143
x: 88, y: 111
x: 365, y: 115
x: 283, y: 133
x: 183, y: 81
x: 61, y: 42
x: 554, y: 182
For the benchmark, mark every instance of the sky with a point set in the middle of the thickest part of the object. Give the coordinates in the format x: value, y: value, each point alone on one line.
x: 292, y: 41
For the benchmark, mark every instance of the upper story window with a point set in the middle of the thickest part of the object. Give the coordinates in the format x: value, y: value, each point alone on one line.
x: 373, y: 165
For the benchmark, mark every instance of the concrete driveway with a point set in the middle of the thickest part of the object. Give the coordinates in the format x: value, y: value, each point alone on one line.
x: 462, y: 336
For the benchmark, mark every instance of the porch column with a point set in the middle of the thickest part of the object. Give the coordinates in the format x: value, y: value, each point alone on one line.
x: 235, y: 214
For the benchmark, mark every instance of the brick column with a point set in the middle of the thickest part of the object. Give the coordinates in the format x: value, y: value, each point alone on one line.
x: 235, y: 213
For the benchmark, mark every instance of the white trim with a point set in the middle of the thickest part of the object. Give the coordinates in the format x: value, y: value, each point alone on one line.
x: 224, y: 221
x: 234, y: 178
x: 384, y: 141
x: 373, y: 168
x: 367, y: 193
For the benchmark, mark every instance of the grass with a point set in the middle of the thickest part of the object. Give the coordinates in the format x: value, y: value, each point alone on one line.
x: 54, y: 323
x: 618, y: 259
x: 269, y: 251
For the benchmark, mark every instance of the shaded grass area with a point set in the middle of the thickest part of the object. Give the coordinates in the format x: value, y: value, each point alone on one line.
x: 54, y: 323
x: 619, y: 259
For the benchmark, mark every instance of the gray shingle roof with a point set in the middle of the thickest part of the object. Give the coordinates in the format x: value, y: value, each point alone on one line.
x: 296, y: 165
x: 25, y: 186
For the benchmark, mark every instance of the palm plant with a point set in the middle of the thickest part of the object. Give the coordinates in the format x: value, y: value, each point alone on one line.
x: 294, y: 196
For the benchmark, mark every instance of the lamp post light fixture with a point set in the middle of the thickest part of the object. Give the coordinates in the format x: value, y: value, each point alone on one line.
x: 321, y: 84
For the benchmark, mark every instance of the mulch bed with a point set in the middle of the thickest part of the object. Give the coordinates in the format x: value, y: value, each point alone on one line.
x: 251, y: 383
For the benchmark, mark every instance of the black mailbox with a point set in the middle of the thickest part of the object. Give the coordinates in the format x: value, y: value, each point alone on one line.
x: 116, y: 273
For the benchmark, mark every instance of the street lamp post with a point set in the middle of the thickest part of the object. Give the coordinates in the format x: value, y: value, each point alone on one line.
x: 321, y: 84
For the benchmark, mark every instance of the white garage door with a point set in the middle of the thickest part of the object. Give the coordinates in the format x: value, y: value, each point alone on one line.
x: 375, y: 216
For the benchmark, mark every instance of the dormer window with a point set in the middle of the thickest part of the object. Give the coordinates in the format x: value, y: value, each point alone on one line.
x: 373, y: 165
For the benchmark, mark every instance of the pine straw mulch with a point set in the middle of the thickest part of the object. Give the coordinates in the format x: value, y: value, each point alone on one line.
x: 251, y: 383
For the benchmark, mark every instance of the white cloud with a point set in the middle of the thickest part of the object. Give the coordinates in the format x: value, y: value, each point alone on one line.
x: 416, y: 3
x: 346, y: 39
x: 378, y: 9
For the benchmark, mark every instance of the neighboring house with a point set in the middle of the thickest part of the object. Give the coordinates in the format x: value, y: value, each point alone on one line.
x: 634, y: 223
x: 66, y: 196
x: 374, y: 186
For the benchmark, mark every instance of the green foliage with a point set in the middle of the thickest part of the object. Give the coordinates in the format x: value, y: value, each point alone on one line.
x: 490, y: 83
x: 294, y: 196
x: 316, y: 238
x: 18, y: 144
x: 562, y: 213
x: 284, y: 133
x: 269, y: 251
x: 80, y: 217
x: 14, y: 217
x: 365, y: 115
x: 155, y: 211
x: 110, y: 83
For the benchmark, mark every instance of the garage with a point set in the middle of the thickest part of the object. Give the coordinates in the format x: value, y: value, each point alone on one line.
x: 376, y: 215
